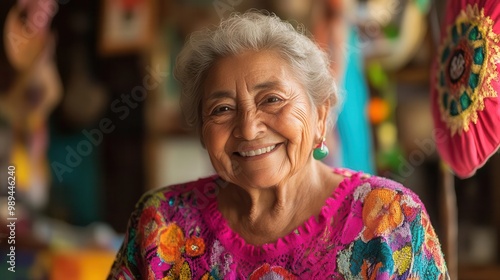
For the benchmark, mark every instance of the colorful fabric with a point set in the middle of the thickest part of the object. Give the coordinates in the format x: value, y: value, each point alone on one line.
x: 353, y: 127
x: 465, y: 101
x: 370, y: 228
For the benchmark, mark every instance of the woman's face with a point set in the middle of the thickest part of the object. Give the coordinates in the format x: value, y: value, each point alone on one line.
x: 258, y: 123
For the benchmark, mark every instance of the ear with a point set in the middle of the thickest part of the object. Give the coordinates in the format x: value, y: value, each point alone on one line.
x: 323, y: 111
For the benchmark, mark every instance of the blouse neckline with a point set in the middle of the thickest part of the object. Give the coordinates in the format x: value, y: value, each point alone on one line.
x: 233, y: 242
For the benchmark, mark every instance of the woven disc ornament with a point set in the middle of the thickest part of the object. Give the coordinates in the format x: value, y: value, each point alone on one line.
x: 465, y: 85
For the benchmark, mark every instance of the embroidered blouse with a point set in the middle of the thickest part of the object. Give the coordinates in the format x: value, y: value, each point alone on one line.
x: 369, y: 228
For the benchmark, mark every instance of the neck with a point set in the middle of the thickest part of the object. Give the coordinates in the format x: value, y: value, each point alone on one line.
x: 262, y: 215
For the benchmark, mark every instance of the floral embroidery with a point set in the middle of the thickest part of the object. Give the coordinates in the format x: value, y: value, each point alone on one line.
x: 381, y: 213
x: 266, y: 271
x: 172, y: 246
x: 220, y: 261
x: 195, y: 246
x: 171, y: 243
x: 149, y: 223
x: 208, y: 276
x: 392, y: 241
x: 402, y: 259
x: 431, y: 242
x: 345, y: 242
x: 467, y: 66
x: 180, y: 271
x: 370, y: 272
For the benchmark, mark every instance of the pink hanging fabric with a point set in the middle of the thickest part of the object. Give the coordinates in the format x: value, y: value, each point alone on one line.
x: 465, y: 85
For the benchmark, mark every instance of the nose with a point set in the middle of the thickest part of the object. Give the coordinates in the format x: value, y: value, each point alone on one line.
x: 248, y: 125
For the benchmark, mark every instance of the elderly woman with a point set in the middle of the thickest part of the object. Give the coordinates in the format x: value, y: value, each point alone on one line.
x: 260, y: 94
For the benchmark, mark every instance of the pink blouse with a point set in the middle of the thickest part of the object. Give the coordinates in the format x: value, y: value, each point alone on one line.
x: 370, y: 228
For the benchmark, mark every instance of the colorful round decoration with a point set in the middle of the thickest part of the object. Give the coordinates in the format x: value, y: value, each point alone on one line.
x: 378, y: 110
x: 465, y: 103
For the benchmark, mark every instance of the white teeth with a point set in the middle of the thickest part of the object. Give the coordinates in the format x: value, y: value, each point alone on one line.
x: 257, y: 152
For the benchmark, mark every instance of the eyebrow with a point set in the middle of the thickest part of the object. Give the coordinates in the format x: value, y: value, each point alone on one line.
x: 219, y: 95
x: 226, y: 94
x: 268, y: 85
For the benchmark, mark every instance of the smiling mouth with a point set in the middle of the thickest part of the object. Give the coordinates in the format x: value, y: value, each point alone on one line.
x: 257, y: 152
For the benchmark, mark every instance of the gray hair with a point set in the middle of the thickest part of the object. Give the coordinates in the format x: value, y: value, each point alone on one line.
x: 252, y: 30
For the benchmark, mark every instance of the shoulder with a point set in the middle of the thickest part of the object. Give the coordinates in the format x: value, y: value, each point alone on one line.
x: 383, y: 206
x: 387, y: 231
x: 366, y: 188
x: 160, y: 213
x: 171, y: 203
x: 189, y: 194
x: 387, y: 206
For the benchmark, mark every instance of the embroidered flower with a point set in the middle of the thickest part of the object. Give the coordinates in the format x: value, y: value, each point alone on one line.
x: 208, y: 276
x: 402, y: 259
x: 354, y: 224
x: 195, y: 246
x: 431, y: 243
x: 381, y: 213
x: 180, y: 271
x: 410, y: 208
x: 185, y: 272
x: 370, y: 272
x: 344, y: 261
x: 267, y: 271
x: 362, y: 191
x: 149, y: 224
x: 171, y: 243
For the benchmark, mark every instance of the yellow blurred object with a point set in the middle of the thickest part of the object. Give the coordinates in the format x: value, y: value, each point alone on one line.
x: 28, y: 155
x: 21, y: 161
x: 387, y: 136
x: 81, y: 265
x: 378, y: 110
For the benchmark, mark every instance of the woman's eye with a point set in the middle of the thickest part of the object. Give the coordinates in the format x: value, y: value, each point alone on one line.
x: 272, y: 99
x: 220, y: 109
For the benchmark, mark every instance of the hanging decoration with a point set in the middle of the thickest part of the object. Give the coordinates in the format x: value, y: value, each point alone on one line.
x: 127, y: 26
x: 465, y: 81
x: 34, y: 91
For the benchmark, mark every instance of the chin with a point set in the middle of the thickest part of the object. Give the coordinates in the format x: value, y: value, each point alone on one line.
x: 258, y: 181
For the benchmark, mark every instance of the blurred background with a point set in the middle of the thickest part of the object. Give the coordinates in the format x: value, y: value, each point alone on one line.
x: 89, y: 118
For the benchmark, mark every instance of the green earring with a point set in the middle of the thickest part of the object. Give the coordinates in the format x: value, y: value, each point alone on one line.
x: 321, y: 151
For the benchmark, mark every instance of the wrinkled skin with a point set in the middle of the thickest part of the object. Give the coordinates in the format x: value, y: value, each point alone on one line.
x: 251, y: 101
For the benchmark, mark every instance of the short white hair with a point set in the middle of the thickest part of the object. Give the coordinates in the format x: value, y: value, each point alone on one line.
x: 256, y: 31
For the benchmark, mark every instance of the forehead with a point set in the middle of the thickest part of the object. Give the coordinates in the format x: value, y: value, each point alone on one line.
x: 250, y: 69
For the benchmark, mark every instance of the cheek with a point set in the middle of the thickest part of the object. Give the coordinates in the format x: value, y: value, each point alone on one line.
x: 213, y: 137
x: 299, y: 132
x: 298, y: 125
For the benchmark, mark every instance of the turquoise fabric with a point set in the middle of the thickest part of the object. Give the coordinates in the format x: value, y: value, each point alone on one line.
x: 75, y: 196
x: 353, y: 127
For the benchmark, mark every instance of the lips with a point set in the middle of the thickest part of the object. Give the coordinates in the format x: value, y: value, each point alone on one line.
x: 257, y: 152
